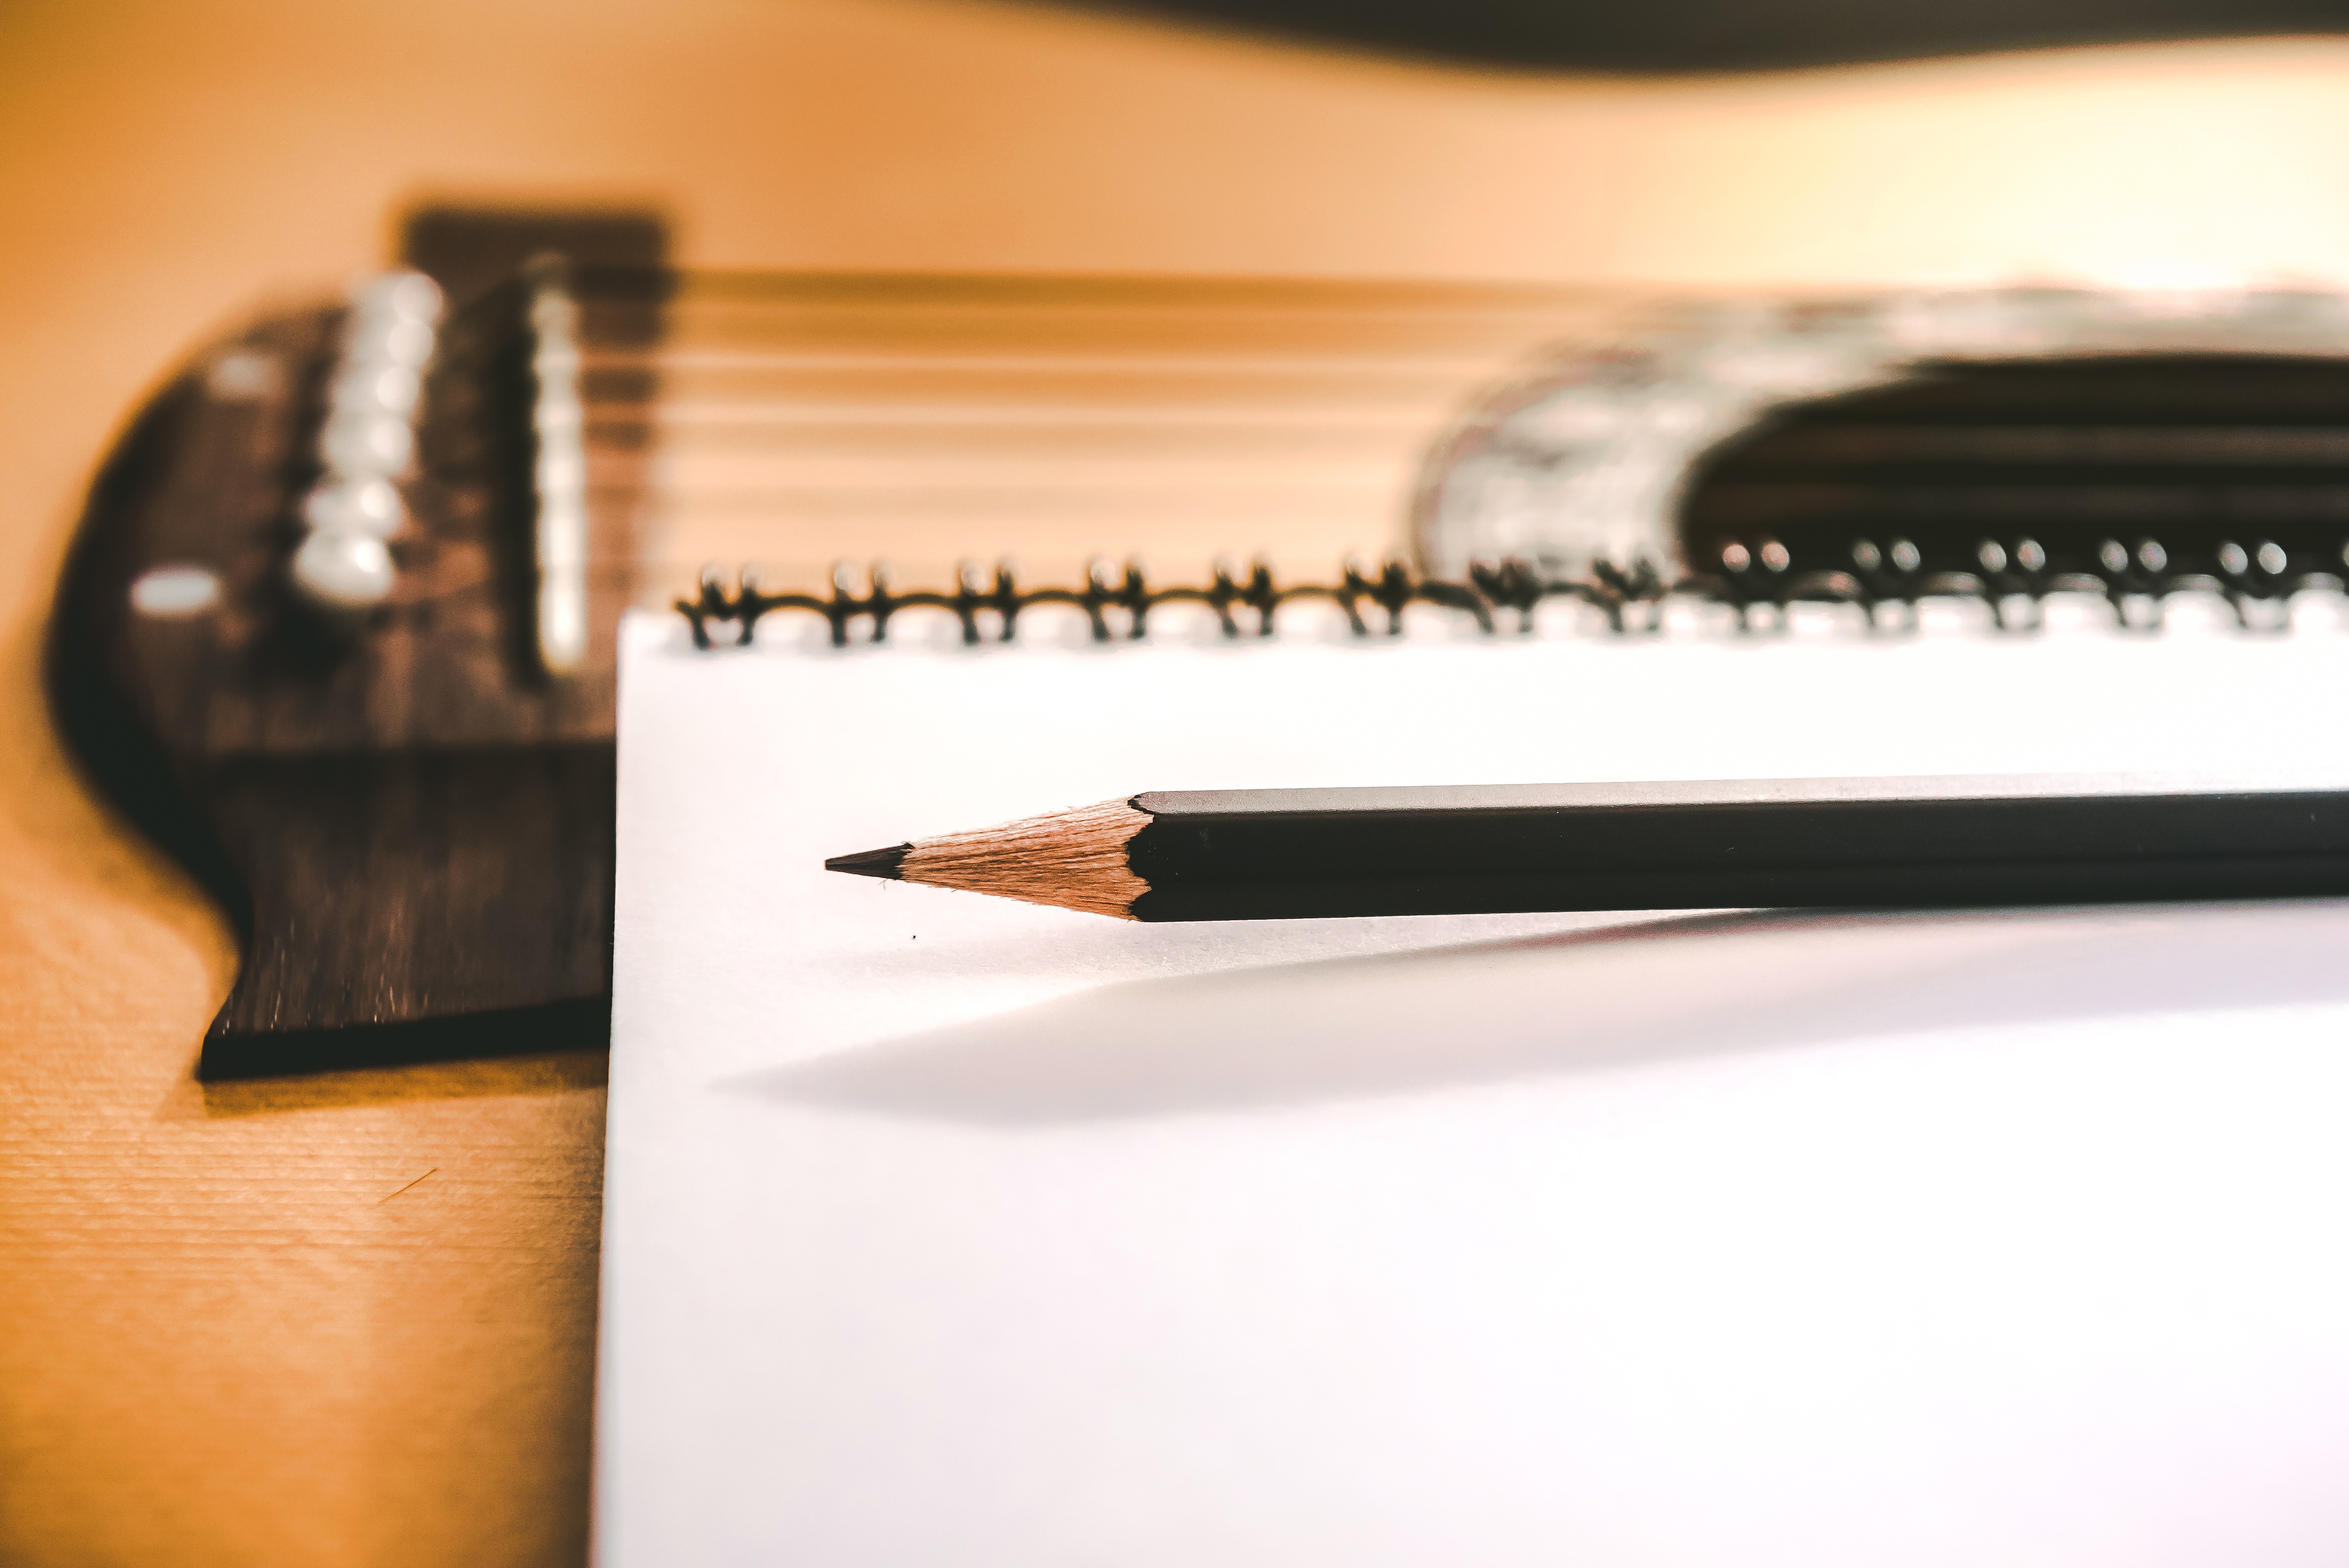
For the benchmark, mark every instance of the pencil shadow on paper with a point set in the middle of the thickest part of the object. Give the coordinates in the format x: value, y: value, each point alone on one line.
x: 1580, y: 1002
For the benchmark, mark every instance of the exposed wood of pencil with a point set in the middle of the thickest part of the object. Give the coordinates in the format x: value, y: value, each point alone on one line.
x: 1073, y: 860
x: 1321, y: 853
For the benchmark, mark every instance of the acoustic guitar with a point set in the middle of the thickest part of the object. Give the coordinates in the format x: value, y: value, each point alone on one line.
x: 340, y: 628
x: 238, y: 1333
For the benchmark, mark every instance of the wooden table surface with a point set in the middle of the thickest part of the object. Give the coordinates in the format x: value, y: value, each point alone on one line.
x: 350, y: 1319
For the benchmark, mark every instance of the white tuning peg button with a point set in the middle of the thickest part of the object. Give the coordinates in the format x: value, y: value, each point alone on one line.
x: 175, y: 593
x: 411, y: 295
x: 355, y: 506
x: 390, y: 297
x: 391, y: 389
x: 343, y: 571
x: 367, y: 443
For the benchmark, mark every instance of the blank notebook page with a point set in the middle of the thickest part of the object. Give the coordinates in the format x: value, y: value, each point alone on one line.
x: 943, y: 1230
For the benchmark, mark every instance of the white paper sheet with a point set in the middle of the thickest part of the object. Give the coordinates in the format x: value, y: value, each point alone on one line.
x: 942, y: 1229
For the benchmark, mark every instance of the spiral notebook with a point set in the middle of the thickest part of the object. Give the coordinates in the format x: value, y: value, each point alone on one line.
x: 942, y: 1229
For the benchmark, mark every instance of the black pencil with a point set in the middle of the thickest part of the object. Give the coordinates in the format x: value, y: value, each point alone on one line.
x: 1283, y: 854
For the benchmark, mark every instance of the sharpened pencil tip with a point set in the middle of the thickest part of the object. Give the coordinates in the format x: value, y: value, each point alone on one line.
x: 888, y: 864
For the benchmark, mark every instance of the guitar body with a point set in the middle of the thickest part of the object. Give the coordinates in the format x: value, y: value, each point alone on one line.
x: 401, y: 785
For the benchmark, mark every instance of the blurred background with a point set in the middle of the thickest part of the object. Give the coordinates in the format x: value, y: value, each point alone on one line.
x: 351, y: 1319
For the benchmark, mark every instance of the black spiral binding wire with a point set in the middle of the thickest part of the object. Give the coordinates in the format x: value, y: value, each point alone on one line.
x: 2012, y: 583
x: 1499, y: 587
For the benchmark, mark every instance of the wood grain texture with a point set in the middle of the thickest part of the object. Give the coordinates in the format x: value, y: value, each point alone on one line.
x: 226, y: 1335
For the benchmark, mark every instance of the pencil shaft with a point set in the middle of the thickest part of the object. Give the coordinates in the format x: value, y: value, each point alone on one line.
x: 1881, y: 887
x: 1282, y: 855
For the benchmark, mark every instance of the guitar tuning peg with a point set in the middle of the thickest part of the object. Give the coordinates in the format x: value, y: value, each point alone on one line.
x: 397, y: 296
x: 343, y: 571
x: 369, y: 506
x: 368, y: 438
x: 174, y: 593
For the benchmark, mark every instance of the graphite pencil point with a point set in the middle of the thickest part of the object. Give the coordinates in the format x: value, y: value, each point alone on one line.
x: 888, y: 864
